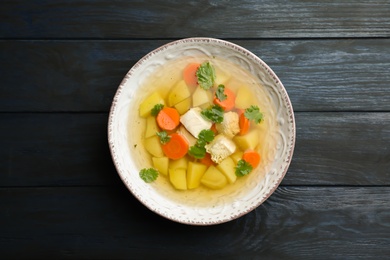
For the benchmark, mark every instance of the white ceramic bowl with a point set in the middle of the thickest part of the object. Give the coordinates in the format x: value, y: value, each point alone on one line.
x: 201, y: 207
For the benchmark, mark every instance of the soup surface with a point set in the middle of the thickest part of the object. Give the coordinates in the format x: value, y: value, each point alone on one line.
x: 162, y: 81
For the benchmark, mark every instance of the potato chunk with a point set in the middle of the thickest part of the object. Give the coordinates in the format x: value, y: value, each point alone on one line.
x: 146, y: 106
x: 201, y: 97
x: 222, y: 77
x: 178, y: 93
x: 161, y: 164
x: 179, y: 163
x: 151, y: 127
x: 248, y: 141
x: 178, y: 178
x: 183, y: 106
x: 213, y: 178
x: 228, y: 168
x: 237, y: 156
x: 153, y: 146
x: 195, y: 172
x: 244, y: 98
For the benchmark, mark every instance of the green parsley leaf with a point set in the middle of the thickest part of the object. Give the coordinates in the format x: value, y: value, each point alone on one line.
x: 207, y: 135
x: 206, y: 75
x: 197, y: 151
x: 156, y: 109
x: 164, y: 137
x: 214, y: 114
x: 148, y: 175
x: 253, y: 113
x: 220, y: 93
x: 243, y: 168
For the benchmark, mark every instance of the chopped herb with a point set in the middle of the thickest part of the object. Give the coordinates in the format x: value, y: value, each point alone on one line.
x: 243, y: 168
x: 148, y: 175
x: 206, y: 75
x: 164, y: 137
x: 253, y: 113
x: 220, y: 93
x: 214, y: 114
x: 156, y: 109
x: 198, y: 150
x: 207, y: 135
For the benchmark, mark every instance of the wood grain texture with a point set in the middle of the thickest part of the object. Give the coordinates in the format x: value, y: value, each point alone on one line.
x: 341, y: 149
x: 319, y: 75
x: 101, y: 222
x: 72, y: 149
x: 60, y: 65
x: 55, y: 149
x: 176, y: 19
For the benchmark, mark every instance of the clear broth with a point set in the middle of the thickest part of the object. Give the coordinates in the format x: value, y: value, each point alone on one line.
x: 162, y: 80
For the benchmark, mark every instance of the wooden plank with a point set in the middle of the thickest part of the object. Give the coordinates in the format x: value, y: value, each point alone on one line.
x: 175, y: 19
x: 341, y: 149
x: 106, y: 222
x: 63, y: 76
x: 71, y: 149
x: 55, y: 149
x: 319, y: 75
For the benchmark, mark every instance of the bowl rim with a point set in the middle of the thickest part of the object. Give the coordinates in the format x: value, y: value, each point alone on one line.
x: 276, y: 79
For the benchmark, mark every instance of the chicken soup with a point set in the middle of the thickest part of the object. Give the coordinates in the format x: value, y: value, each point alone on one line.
x: 202, y: 124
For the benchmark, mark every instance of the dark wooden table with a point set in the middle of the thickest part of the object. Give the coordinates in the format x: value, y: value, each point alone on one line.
x: 61, y: 62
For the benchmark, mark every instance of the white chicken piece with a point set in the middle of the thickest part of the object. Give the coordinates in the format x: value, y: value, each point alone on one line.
x: 229, y: 125
x: 220, y: 148
x: 194, y: 122
x: 191, y: 140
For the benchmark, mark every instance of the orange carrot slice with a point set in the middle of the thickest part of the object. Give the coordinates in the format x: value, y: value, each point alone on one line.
x: 252, y: 157
x: 168, y: 118
x: 189, y: 74
x: 206, y: 160
x: 244, y: 124
x: 228, y: 103
x: 176, y: 147
x: 214, y: 129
